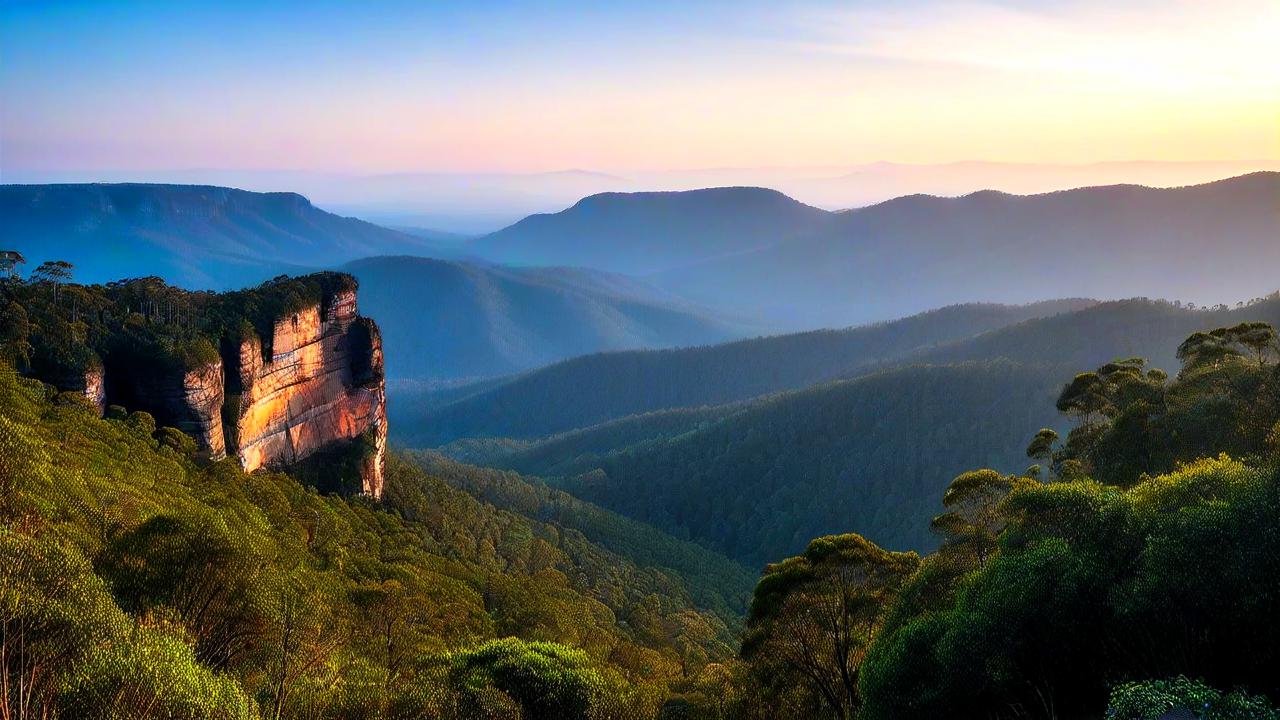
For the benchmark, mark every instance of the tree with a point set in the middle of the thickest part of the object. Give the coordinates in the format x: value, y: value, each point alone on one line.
x: 9, y: 262
x: 306, y: 638
x: 15, y: 331
x: 973, y: 522
x: 1042, y: 447
x: 1254, y: 340
x: 199, y: 569
x: 55, y: 272
x: 814, y: 616
x: 547, y: 680
x: 392, y: 616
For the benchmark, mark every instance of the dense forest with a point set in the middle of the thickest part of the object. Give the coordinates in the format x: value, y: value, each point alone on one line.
x: 593, y: 389
x: 1130, y: 572
x: 1137, y: 327
x: 713, y: 581
x: 54, y: 329
x: 1115, y: 556
x: 870, y: 454
x: 136, y: 577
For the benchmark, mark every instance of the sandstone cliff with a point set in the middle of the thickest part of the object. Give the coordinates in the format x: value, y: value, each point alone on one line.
x: 318, y: 382
x: 282, y: 375
x: 313, y: 382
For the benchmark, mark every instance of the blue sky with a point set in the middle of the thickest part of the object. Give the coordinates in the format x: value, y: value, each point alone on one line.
x: 525, y: 87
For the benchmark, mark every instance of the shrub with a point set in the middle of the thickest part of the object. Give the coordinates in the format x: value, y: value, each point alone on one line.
x: 1150, y: 699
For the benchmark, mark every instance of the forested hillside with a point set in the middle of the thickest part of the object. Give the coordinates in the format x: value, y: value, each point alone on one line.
x: 1129, y: 574
x: 569, y: 452
x: 871, y: 454
x: 1089, y: 336
x: 713, y: 580
x: 444, y: 320
x: 135, y: 577
x: 588, y: 390
x: 1151, y: 329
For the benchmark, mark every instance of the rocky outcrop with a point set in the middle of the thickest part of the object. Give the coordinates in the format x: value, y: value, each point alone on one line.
x: 88, y: 383
x: 187, y: 399
x: 321, y: 384
x: 315, y: 383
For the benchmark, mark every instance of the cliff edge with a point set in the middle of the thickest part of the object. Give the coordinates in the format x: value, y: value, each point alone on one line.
x: 286, y: 375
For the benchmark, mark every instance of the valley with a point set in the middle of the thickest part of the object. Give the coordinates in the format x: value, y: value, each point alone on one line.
x: 588, y: 476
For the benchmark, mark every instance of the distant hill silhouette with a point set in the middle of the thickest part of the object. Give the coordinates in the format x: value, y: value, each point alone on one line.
x: 588, y: 390
x: 763, y: 256
x: 195, y: 236
x: 1220, y: 240
x: 444, y: 320
x: 647, y: 232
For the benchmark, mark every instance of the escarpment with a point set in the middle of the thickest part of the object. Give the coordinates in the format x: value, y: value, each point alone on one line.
x: 286, y: 375
x: 318, y: 382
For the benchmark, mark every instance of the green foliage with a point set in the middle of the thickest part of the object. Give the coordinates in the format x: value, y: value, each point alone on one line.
x: 1150, y: 699
x: 546, y: 680
x: 1044, y: 595
x: 872, y: 453
x: 142, y: 322
x: 1225, y: 399
x: 713, y: 581
x: 144, y: 579
x: 69, y: 651
x: 1091, y: 583
x: 812, y: 619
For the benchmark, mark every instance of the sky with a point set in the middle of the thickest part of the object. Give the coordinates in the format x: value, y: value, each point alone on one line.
x: 533, y: 87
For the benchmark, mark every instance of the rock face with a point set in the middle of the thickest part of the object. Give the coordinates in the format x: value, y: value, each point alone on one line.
x: 322, y: 384
x: 89, y: 383
x: 189, y: 400
x: 315, y: 384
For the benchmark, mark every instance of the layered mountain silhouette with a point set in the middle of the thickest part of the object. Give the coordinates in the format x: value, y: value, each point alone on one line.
x: 444, y: 320
x: 639, y: 233
x: 691, y: 259
x: 761, y: 255
x: 757, y: 477
x: 584, y: 391
x: 194, y: 236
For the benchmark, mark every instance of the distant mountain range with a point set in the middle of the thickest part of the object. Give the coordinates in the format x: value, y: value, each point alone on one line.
x: 444, y: 320
x: 584, y: 391
x: 198, y: 237
x: 791, y: 265
x: 478, y: 203
x: 640, y: 233
x: 704, y: 265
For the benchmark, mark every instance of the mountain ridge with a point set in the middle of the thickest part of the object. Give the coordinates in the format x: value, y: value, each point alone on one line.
x: 195, y: 236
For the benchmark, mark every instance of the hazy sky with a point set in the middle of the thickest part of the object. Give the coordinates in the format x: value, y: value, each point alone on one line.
x: 473, y: 86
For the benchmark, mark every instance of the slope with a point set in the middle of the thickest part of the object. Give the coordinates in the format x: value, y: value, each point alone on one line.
x: 653, y: 231
x: 197, y: 237
x: 176, y: 574
x: 588, y: 390
x: 445, y: 320
x: 871, y: 454
x: 1201, y: 243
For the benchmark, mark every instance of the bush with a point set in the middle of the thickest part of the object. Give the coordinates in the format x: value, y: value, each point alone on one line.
x: 547, y: 680
x: 1150, y: 699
